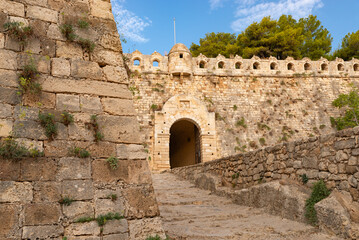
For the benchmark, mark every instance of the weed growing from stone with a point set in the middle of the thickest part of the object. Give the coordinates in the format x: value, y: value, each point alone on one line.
x: 241, y: 123
x: 93, y: 124
x: 112, y: 196
x: 67, y: 118
x: 304, y: 178
x: 79, y: 152
x: 86, y: 44
x: 319, y: 192
x: 113, y: 161
x: 10, y: 149
x: 154, y: 107
x: 66, y: 201
x: 47, y: 120
x: 68, y: 31
x: 83, y: 24
x: 27, y: 80
x: 101, y: 219
x: 235, y: 107
x: 18, y: 31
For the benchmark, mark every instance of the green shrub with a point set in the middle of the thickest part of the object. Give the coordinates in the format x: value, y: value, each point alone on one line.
x: 87, y: 44
x: 241, y: 123
x: 66, y: 201
x: 27, y: 80
x: 101, y: 219
x: 10, y: 149
x: 304, y: 178
x: 319, y: 192
x: 18, y: 31
x: 235, y: 107
x: 113, y: 161
x: 350, y: 103
x: 68, y: 31
x: 262, y: 141
x: 48, y: 122
x: 83, y: 24
x: 93, y: 124
x: 67, y: 118
x: 79, y: 152
x: 112, y: 196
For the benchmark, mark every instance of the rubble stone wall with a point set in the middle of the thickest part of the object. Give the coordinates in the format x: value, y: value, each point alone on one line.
x: 83, y: 83
x: 332, y: 158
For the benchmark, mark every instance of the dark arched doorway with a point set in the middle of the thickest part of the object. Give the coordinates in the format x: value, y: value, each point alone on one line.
x: 185, y: 144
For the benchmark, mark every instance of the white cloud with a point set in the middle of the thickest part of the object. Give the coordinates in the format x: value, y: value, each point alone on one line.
x: 129, y: 25
x: 216, y: 3
x: 249, y: 11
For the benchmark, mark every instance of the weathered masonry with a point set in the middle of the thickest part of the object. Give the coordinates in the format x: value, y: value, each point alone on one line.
x: 232, y: 105
x: 46, y: 197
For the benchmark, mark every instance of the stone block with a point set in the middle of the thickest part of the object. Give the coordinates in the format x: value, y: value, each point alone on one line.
x: 116, y: 106
x: 9, y: 95
x: 111, y: 41
x: 143, y: 228
x: 353, y: 161
x: 6, y: 127
x: 2, y: 40
x: 41, y: 213
x: 80, y: 132
x: 40, y: 28
x: 120, y: 236
x: 78, y: 229
x: 115, y: 74
x: 102, y: 149
x: 77, y: 210
x: 68, y: 102
x: 54, y: 33
x: 140, y: 202
x: 5, y: 110
x: 131, y: 151
x: 73, y: 169
x: 90, y: 104
x: 104, y: 206
x: 48, y: 47
x: 12, y: 8
x: 8, y: 78
x: 42, y: 232
x: 116, y: 226
x: 41, y: 13
x: 15, y: 192
x: 108, y: 57
x: 345, y: 144
x: 9, y: 218
x: 77, y: 189
x: 9, y: 170
x: 60, y: 67
x: 12, y: 44
x: 40, y: 169
x: 47, y: 191
x: 67, y: 49
x: 310, y: 162
x: 101, y: 9
x: 85, y: 69
x: 43, y: 100
x: 22, y: 113
x: 8, y: 59
x: 59, y: 148
x: 33, y: 144
x: 96, y: 88
x: 33, y: 45
x: 120, y: 129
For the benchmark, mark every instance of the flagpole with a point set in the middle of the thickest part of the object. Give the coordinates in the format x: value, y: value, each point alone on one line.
x: 174, y: 24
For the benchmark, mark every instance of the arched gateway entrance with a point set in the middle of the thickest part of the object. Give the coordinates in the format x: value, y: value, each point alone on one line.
x: 184, y: 134
x: 185, y: 144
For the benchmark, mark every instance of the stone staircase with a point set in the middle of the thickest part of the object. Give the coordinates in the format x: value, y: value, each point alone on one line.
x: 190, y: 213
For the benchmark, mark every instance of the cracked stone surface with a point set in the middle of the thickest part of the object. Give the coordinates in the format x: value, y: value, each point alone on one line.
x: 189, y: 213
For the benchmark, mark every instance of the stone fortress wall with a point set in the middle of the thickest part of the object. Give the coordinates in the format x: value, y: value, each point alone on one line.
x: 254, y: 102
x: 82, y: 83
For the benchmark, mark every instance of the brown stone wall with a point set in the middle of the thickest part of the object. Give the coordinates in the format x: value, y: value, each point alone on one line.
x: 332, y: 158
x: 83, y: 83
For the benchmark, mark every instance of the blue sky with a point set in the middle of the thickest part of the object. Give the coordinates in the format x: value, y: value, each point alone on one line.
x: 147, y: 25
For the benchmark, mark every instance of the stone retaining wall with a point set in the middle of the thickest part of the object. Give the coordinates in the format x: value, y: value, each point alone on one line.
x: 83, y: 83
x: 332, y: 158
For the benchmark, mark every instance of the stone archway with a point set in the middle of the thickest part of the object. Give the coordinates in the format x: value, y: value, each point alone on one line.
x: 185, y: 144
x: 183, y: 108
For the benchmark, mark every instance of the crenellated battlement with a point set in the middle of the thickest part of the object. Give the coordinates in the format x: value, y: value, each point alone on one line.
x: 237, y: 66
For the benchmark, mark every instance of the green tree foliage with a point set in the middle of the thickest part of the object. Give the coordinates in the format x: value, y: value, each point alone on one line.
x: 350, y: 104
x: 349, y: 48
x: 317, y: 40
x: 214, y: 44
x: 279, y: 38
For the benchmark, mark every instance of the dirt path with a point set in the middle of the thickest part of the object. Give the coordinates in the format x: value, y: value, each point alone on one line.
x: 190, y: 213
